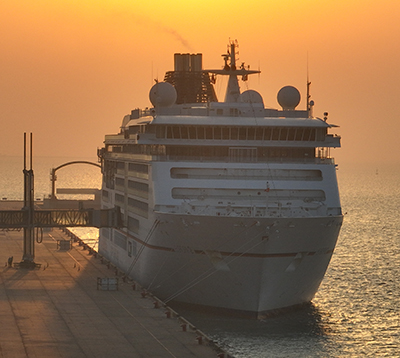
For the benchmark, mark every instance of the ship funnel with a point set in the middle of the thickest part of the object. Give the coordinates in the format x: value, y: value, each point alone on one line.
x: 185, y: 62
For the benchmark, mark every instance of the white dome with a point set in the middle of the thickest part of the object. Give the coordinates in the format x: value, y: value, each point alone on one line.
x: 289, y: 97
x: 162, y: 94
x: 251, y: 96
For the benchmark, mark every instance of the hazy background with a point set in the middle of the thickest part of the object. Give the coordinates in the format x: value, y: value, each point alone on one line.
x: 71, y: 69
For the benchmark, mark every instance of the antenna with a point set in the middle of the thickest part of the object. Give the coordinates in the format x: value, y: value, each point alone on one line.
x: 308, y: 92
x: 30, y: 152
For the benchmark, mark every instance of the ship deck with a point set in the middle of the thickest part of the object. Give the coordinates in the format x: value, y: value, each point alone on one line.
x: 57, y: 310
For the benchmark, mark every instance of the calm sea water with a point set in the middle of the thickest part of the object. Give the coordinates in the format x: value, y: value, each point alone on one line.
x: 356, y: 311
x: 72, y: 176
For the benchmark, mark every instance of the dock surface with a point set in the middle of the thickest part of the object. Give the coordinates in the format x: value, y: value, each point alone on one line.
x: 57, y: 310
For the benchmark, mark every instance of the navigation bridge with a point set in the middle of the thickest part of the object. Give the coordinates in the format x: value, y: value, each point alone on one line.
x: 31, y: 219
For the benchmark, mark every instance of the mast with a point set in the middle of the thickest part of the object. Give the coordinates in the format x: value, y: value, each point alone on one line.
x: 230, y: 69
x: 233, y: 90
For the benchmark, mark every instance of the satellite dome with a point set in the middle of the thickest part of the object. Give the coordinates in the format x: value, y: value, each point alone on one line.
x: 251, y: 96
x: 288, y: 97
x: 162, y: 94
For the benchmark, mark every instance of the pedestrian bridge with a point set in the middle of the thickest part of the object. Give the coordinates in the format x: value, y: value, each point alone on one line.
x: 14, y: 219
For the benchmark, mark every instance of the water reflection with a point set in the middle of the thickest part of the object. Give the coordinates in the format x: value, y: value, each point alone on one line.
x: 285, y: 335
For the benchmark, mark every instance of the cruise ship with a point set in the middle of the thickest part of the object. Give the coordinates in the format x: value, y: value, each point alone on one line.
x: 226, y: 205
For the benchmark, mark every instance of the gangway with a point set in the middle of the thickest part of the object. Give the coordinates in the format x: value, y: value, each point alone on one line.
x: 13, y: 219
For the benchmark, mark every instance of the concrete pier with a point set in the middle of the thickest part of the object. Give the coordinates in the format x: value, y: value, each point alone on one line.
x: 59, y: 310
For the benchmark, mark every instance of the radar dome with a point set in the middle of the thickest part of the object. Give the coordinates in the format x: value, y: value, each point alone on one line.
x: 162, y: 94
x: 288, y: 97
x: 251, y: 96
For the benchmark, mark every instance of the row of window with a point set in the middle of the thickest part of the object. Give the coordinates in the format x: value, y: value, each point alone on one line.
x: 220, y: 152
x: 132, y: 167
x: 240, y: 154
x: 241, y: 133
x: 132, y: 184
x: 136, y: 206
x: 136, y: 149
x: 138, y: 168
x: 134, y: 187
x: 111, y: 167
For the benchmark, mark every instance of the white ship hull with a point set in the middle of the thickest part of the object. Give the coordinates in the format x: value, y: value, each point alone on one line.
x: 247, y: 265
x: 250, y: 265
x: 228, y: 205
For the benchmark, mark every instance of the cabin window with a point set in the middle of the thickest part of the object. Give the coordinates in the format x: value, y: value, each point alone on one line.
x: 233, y: 112
x: 242, y: 133
x: 209, y: 132
x: 120, y: 183
x: 275, y: 134
x: 291, y: 134
x: 284, y: 133
x: 119, y: 198
x: 234, y: 133
x: 239, y: 154
x: 120, y: 166
x: 200, y: 133
x: 321, y: 133
x: 138, y: 207
x: 139, y: 170
x: 176, y: 132
x: 225, y: 133
x: 169, y: 132
x: 184, y: 133
x: 251, y: 133
x: 138, y: 188
x: 312, y: 134
x: 192, y: 133
x: 142, y: 168
x: 299, y: 134
x: 259, y: 133
x: 217, y: 133
x: 267, y: 133
x: 306, y: 134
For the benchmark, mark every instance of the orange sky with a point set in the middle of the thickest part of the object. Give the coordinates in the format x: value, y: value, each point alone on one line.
x: 71, y: 69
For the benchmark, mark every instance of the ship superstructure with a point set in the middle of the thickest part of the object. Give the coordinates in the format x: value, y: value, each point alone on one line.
x: 226, y: 204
